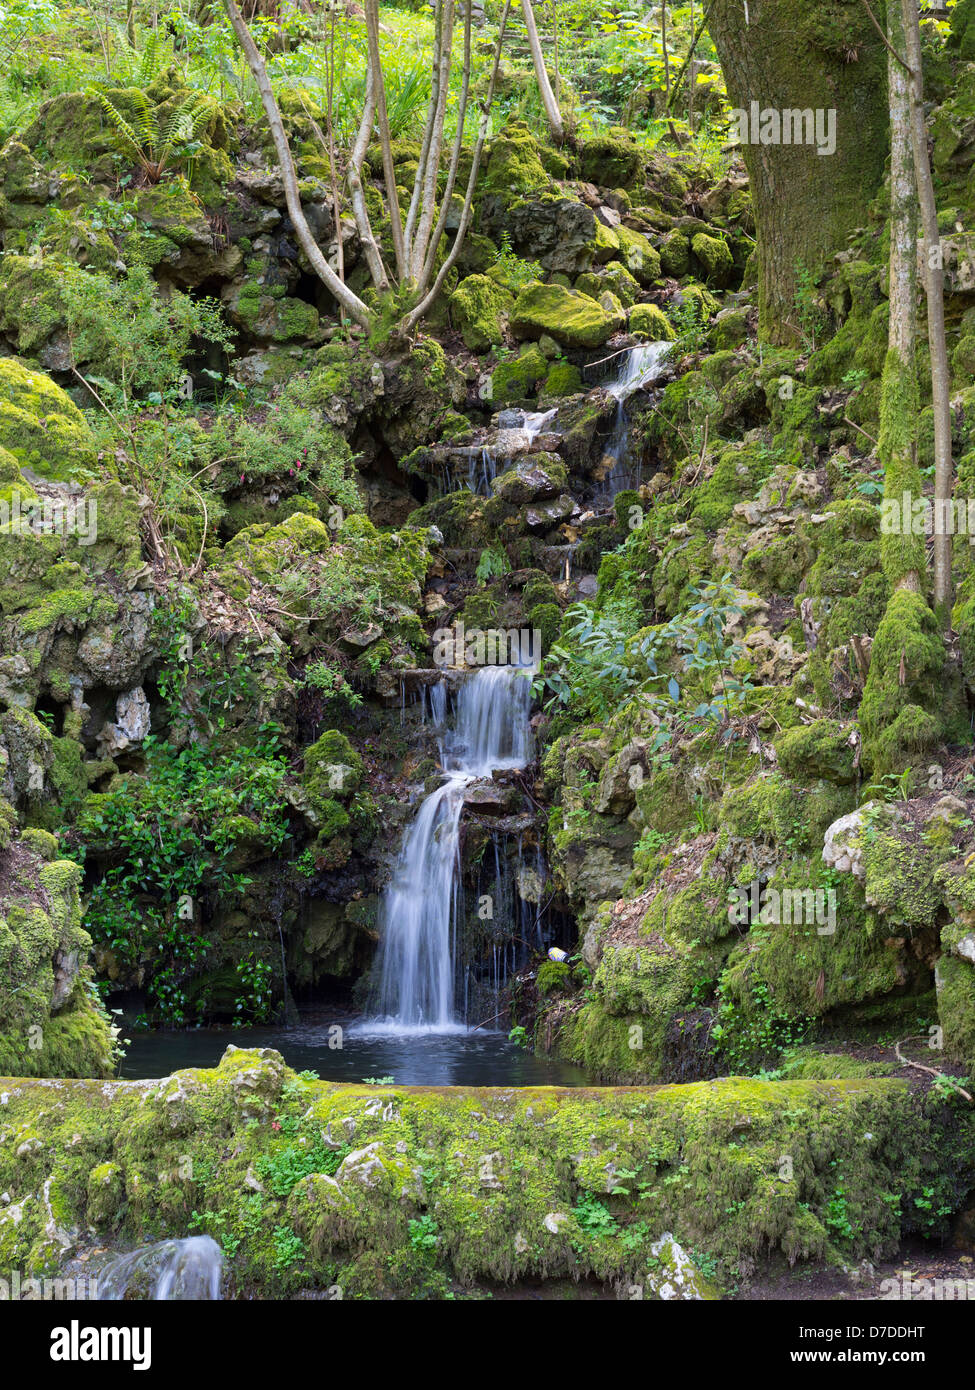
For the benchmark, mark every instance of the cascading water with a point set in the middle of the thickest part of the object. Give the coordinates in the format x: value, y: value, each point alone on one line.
x: 519, y: 439
x: 416, y: 969
x: 170, y: 1270
x: 641, y: 367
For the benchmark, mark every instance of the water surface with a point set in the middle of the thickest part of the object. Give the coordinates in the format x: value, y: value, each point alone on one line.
x: 447, y: 1058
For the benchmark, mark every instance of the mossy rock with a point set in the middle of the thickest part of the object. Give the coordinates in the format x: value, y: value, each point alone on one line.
x: 612, y: 159
x: 50, y: 1023
x: 649, y: 321
x: 518, y: 379
x: 714, y: 256
x: 564, y: 379
x: 343, y: 1177
x: 514, y: 164
x: 675, y: 254
x: 640, y: 258
x: 615, y: 278
x: 40, y: 426
x: 823, y: 749
x: 572, y: 319
x: 736, y: 477
x: 481, y: 308
x: 903, y: 711
x: 955, y: 985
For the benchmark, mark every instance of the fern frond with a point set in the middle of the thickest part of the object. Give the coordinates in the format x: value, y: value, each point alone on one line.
x: 151, y: 58
x: 147, y: 121
x: 126, y: 135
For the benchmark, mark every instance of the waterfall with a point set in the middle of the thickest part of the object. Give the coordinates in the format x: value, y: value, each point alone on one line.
x: 483, y: 467
x: 641, y: 367
x: 415, y: 972
x: 170, y: 1270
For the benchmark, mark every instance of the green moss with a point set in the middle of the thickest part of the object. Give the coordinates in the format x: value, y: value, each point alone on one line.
x: 675, y: 254
x: 650, y: 321
x: 480, y: 308
x: 955, y: 982
x: 40, y: 426
x: 571, y: 318
x: 488, y: 1170
x: 517, y: 379
x: 612, y: 159
x: 564, y: 379
x: 962, y: 39
x: 514, y: 165
x: 640, y: 258
x: 546, y: 619
x: 714, y: 256
x: 821, y: 749
x: 736, y: 476
x: 49, y: 1023
x: 615, y: 278
x: 902, y: 712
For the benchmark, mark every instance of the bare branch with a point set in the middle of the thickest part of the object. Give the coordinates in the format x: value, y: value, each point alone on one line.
x: 389, y: 173
x: 430, y: 298
x: 309, y: 245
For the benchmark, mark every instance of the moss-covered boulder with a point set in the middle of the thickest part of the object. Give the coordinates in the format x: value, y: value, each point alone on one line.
x: 50, y: 1022
x: 311, y: 1185
x: 517, y: 378
x: 572, y: 319
x: 649, y: 321
x: 480, y: 308
x: 615, y: 278
x: 40, y: 426
x: 612, y: 159
x: 715, y: 258
x: 514, y: 163
x: 675, y: 254
x: 640, y: 258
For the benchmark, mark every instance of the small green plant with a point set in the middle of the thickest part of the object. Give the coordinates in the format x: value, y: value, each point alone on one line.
x: 690, y: 327
x: 378, y: 1080
x: 289, y: 1248
x: 516, y: 272
x: 423, y: 1233
x: 492, y: 565
x: 594, y: 1217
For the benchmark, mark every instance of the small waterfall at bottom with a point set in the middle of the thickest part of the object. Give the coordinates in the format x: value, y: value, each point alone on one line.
x: 169, y: 1271
x: 415, y: 974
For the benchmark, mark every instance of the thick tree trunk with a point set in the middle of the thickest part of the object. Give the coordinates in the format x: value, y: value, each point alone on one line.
x: 804, y: 56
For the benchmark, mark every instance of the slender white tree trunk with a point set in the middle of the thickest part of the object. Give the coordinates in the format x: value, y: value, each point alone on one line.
x: 552, y: 112
x: 339, y: 291
x: 944, y: 472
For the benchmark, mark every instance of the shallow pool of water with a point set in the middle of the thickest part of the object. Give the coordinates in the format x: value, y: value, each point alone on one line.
x: 416, y: 1059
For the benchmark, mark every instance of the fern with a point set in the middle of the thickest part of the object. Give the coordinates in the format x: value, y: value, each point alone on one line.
x: 153, y: 138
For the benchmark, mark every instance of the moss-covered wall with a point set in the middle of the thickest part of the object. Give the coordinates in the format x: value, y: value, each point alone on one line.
x: 399, y: 1189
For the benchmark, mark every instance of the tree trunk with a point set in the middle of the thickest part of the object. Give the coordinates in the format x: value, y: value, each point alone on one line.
x: 944, y: 481
x: 804, y: 55
x: 552, y: 112
x: 903, y: 552
x: 309, y: 245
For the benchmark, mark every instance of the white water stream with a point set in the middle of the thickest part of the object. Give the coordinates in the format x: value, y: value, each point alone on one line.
x: 170, y: 1270
x: 416, y: 968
